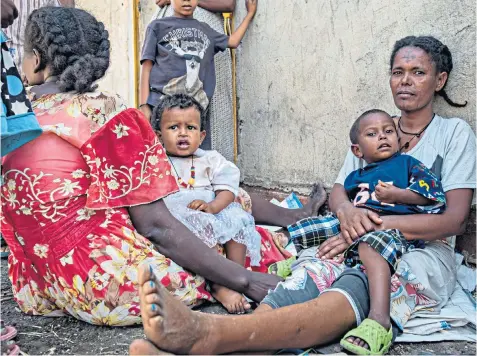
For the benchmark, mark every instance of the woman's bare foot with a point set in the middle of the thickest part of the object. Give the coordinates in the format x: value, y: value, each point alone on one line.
x: 144, y: 347
x: 168, y: 323
x: 234, y: 302
x: 316, y: 200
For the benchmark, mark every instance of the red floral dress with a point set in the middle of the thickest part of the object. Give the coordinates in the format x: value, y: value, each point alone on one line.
x: 65, y: 195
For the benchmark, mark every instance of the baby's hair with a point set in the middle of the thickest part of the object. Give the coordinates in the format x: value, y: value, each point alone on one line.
x: 181, y: 101
x: 440, y: 55
x: 72, y: 43
x: 354, y: 131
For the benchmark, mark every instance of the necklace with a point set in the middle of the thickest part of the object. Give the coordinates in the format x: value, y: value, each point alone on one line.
x: 414, y: 135
x: 190, y: 183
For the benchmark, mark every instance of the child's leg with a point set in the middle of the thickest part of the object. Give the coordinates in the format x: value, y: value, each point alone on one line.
x: 379, y: 278
x: 233, y: 301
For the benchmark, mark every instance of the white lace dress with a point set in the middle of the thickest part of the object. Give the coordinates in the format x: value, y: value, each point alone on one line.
x: 213, y: 173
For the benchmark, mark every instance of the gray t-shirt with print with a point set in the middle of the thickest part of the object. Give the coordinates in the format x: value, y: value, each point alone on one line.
x: 182, y: 50
x: 448, y: 148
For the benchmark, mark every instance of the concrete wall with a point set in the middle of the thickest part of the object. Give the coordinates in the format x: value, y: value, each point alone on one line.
x: 117, y: 18
x: 307, y: 68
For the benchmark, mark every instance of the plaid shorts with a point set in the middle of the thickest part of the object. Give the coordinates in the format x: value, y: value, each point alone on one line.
x: 313, y: 231
x: 390, y: 244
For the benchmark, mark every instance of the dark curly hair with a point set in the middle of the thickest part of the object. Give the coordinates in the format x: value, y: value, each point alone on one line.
x: 439, y: 53
x: 354, y: 131
x: 71, y: 43
x: 181, y: 101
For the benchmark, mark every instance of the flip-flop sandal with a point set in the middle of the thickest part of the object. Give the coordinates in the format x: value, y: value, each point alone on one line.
x: 13, y: 351
x: 7, y: 332
x: 374, y: 334
x: 282, y: 268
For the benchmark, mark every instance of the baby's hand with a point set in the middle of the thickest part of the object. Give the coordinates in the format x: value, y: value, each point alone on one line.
x: 251, y: 6
x: 387, y: 193
x: 201, y: 206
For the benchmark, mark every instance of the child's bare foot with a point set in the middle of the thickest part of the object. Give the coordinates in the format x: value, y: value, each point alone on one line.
x: 168, y: 323
x: 315, y: 201
x: 234, y: 302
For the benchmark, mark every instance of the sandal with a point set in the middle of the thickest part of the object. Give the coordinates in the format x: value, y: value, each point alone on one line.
x: 282, y: 268
x: 374, y: 334
x: 7, y: 333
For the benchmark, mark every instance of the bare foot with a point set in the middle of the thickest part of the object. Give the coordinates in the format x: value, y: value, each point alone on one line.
x: 260, y: 284
x: 168, y: 323
x: 316, y: 200
x: 234, y: 302
x: 144, y: 347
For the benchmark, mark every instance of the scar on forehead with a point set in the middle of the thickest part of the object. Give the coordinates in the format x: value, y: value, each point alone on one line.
x: 409, y: 55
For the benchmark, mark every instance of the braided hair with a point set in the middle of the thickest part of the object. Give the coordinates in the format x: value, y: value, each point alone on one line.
x: 439, y: 53
x: 71, y: 43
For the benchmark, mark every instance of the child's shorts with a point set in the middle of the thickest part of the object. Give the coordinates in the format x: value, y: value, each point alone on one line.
x: 390, y: 243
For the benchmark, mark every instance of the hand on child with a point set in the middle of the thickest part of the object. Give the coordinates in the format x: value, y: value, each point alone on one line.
x: 201, y: 206
x: 146, y: 110
x: 386, y: 193
x: 162, y: 3
x: 251, y: 6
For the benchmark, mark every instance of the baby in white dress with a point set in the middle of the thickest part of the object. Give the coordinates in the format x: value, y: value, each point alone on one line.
x: 208, y: 186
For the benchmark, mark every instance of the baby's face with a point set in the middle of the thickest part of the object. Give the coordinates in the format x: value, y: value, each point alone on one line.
x: 377, y: 139
x: 180, y: 131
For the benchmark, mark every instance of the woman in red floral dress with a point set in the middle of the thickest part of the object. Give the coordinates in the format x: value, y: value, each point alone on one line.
x: 68, y: 197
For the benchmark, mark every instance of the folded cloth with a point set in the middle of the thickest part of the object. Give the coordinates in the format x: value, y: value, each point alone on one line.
x: 18, y: 122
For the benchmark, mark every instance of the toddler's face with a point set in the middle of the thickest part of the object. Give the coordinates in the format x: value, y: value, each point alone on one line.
x: 377, y: 139
x: 180, y: 132
x: 184, y: 8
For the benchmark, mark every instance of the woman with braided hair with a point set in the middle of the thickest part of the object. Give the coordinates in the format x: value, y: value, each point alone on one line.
x: 70, y: 197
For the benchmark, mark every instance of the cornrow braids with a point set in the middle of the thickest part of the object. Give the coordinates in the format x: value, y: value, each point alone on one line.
x: 439, y: 53
x: 72, y: 43
x: 181, y: 101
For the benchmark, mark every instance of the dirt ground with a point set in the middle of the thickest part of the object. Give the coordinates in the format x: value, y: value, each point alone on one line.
x: 68, y: 336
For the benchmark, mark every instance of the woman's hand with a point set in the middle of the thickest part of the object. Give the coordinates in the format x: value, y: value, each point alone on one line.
x: 332, y: 247
x: 356, y: 222
x: 9, y: 13
x: 162, y: 3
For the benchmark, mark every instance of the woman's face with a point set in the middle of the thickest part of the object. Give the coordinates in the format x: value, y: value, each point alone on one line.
x: 414, y: 80
x: 30, y: 63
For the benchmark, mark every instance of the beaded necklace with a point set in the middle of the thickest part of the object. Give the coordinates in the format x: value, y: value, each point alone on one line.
x: 190, y: 183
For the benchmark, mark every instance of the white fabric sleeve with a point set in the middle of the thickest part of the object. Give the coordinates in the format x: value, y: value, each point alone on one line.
x: 458, y: 168
x: 225, y: 175
x: 350, y: 164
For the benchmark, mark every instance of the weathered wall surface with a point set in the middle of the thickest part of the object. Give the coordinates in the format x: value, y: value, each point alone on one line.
x: 117, y: 18
x: 307, y: 68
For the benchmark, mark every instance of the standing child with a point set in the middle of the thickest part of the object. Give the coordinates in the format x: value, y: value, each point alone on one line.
x: 208, y: 185
x: 390, y: 184
x: 178, y: 55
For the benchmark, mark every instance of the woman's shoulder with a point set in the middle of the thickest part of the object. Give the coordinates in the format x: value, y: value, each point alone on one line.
x: 453, y: 128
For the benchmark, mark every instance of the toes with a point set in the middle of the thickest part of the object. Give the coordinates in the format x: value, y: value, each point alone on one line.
x: 246, y: 305
x: 144, y: 347
x: 145, y: 274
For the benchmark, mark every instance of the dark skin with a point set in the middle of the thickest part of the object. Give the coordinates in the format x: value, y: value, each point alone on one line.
x: 414, y: 80
x: 9, y: 13
x: 210, y: 5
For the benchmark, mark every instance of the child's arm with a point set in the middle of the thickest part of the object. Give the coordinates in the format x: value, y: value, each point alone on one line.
x: 223, y: 198
x: 236, y: 37
x: 218, y: 5
x: 146, y: 68
x: 390, y: 194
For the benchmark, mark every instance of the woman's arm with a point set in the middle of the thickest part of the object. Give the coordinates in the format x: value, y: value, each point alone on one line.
x: 435, y: 226
x: 146, y: 68
x: 174, y: 240
x: 218, y: 5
